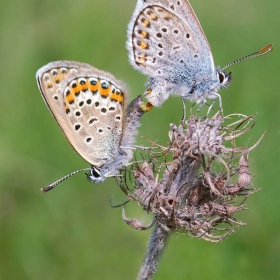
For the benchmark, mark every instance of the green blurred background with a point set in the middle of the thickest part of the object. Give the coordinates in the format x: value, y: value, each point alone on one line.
x: 72, y: 232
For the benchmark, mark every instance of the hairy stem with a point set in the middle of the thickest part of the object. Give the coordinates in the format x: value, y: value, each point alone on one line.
x: 156, y: 246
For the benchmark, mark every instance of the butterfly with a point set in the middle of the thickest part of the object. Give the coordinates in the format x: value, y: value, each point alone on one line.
x: 90, y: 106
x: 166, y: 42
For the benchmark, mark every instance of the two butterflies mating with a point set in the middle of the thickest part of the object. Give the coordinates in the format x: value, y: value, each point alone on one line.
x: 165, y: 42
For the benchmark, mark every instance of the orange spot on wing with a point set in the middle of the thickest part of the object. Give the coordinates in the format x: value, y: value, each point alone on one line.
x: 93, y: 88
x: 153, y: 17
x: 77, y: 89
x: 144, y: 34
x: 146, y: 22
x: 70, y: 97
x: 117, y: 97
x: 143, y: 45
x: 141, y: 58
x: 105, y: 91
x: 59, y: 77
x: 85, y: 86
x: 67, y: 110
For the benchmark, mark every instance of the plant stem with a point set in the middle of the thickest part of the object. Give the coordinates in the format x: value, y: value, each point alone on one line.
x: 156, y: 246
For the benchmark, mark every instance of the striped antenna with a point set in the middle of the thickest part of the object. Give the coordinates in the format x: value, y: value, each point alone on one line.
x: 51, y: 186
x: 260, y: 52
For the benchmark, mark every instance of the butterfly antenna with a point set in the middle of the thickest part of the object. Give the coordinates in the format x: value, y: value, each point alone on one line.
x: 51, y: 186
x: 260, y: 52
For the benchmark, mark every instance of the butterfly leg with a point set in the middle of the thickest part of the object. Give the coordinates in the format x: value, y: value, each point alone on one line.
x: 184, y: 109
x: 202, y: 103
x: 220, y: 103
x: 191, y: 112
x: 210, y: 107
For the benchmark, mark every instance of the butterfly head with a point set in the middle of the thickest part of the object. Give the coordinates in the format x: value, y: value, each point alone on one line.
x: 95, y: 175
x: 224, y: 79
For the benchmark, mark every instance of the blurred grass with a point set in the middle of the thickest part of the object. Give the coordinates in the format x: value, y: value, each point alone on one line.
x: 72, y: 232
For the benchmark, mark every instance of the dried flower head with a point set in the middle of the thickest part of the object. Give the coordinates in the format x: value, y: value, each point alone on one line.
x: 192, y: 185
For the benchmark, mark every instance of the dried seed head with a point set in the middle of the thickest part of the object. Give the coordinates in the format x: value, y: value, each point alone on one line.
x: 190, y: 185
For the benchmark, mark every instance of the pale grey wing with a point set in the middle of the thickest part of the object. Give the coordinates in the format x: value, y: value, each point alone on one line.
x: 164, y: 44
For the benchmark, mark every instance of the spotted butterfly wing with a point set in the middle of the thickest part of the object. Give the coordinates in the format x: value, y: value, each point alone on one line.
x: 162, y: 35
x: 88, y: 104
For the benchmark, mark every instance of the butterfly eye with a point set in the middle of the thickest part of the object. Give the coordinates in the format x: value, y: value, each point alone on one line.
x: 221, y: 77
x: 94, y: 172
